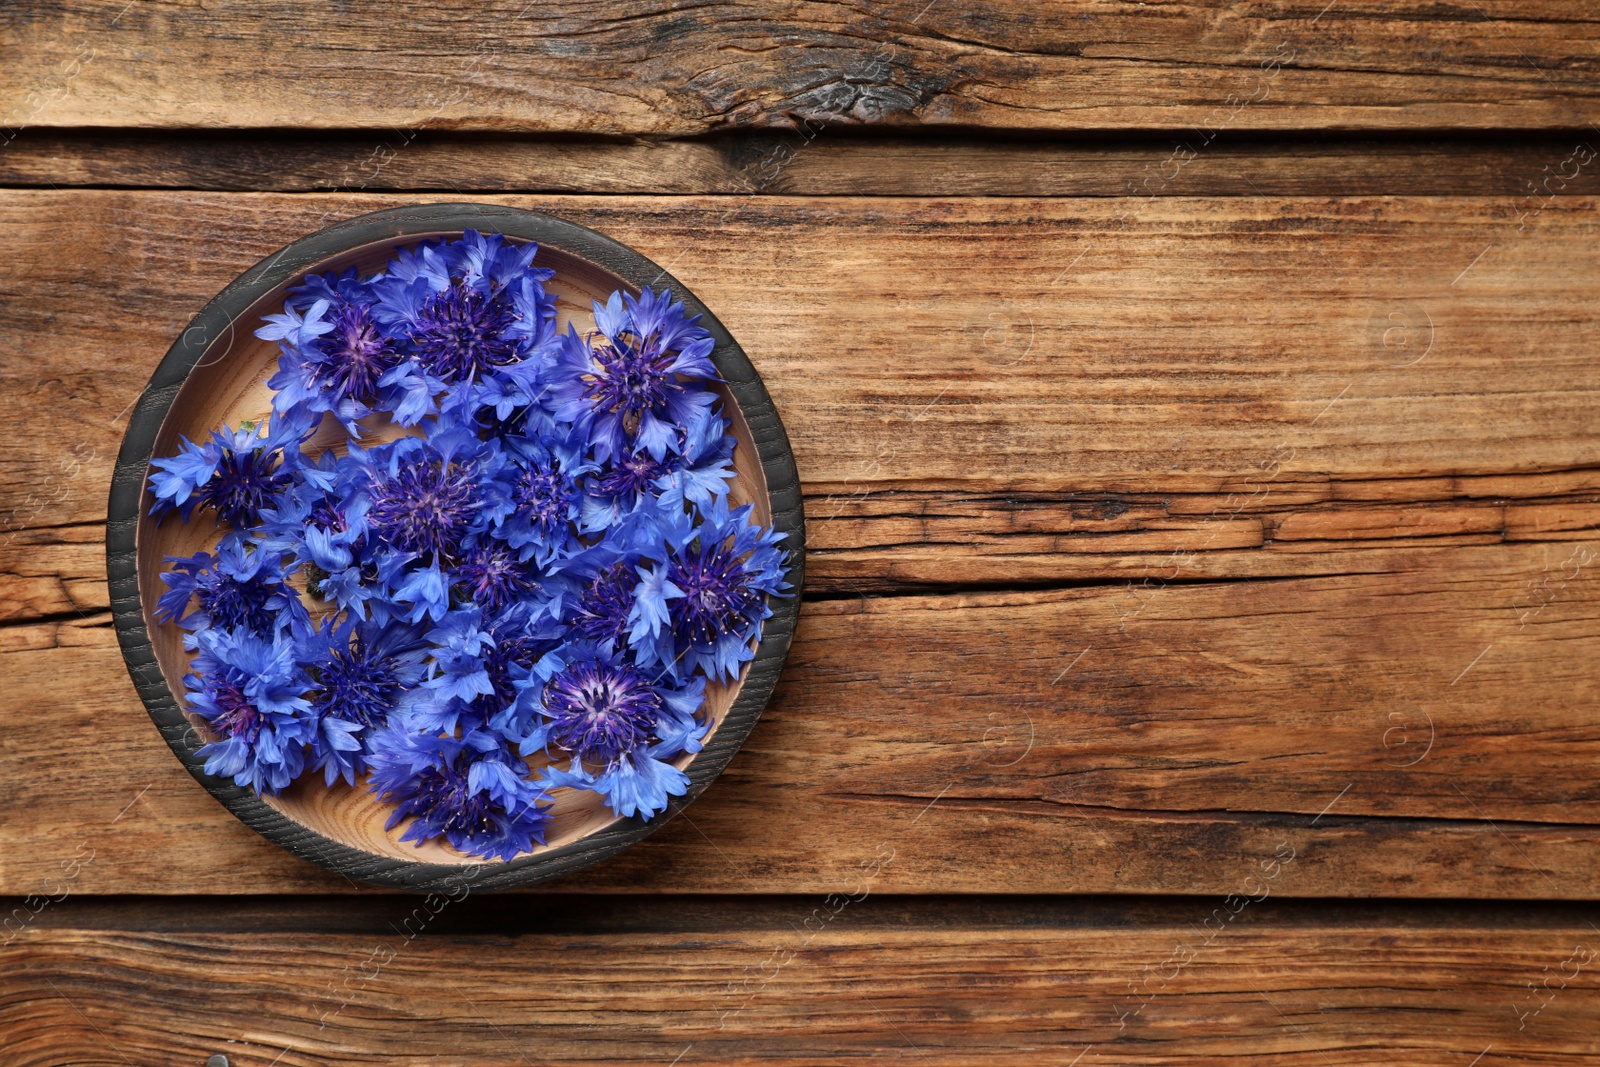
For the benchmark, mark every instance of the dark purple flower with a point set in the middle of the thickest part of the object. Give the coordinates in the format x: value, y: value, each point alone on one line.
x: 460, y: 333
x: 362, y: 673
x: 494, y: 575
x: 425, y: 506
x: 362, y: 670
x: 635, y: 381
x: 600, y: 709
x: 542, y: 487
x: 628, y: 475
x: 545, y: 497
x: 251, y: 693
x: 718, y: 597
x: 713, y: 593
x: 605, y: 604
x: 245, y: 482
x: 356, y: 354
x: 237, y: 589
x: 236, y: 473
x: 470, y: 790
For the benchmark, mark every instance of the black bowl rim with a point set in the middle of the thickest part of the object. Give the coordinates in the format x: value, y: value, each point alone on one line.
x: 217, y: 318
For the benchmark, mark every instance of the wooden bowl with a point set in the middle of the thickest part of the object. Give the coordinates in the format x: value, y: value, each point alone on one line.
x: 215, y: 375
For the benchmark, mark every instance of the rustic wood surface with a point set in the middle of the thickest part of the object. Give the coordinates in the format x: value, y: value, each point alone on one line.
x: 802, y: 163
x: 795, y: 982
x: 1420, y: 510
x: 511, y: 65
x: 1195, y: 405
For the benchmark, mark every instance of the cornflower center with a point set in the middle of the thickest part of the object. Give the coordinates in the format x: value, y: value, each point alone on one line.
x: 632, y: 377
x: 600, y: 711
x: 239, y: 717
x: 717, y: 598
x: 604, y: 606
x: 629, y: 474
x: 358, y: 355
x: 243, y: 484
x: 328, y: 517
x: 494, y: 577
x: 425, y: 508
x: 233, y: 604
x: 443, y: 794
x: 457, y: 335
x: 520, y: 651
x: 358, y: 685
x: 544, y: 495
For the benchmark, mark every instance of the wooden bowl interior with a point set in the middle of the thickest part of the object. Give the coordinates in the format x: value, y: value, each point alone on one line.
x: 229, y: 385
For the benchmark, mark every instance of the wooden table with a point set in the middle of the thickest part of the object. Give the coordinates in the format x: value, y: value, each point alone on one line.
x: 1196, y: 405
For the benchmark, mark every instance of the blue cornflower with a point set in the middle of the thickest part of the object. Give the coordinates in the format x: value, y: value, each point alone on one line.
x: 703, y: 466
x: 240, y: 588
x: 634, y: 383
x: 422, y: 502
x: 494, y: 575
x: 461, y: 334
x: 542, y: 486
x: 600, y: 707
x: 347, y: 287
x: 546, y: 565
x: 362, y: 673
x: 438, y: 500
x: 470, y: 315
x: 487, y: 669
x: 471, y: 790
x: 422, y: 592
x: 420, y: 505
x: 236, y: 473
x: 639, y: 784
x: 723, y: 570
x: 457, y: 674
x: 340, y: 366
x: 618, y: 727
x: 604, y: 603
x: 696, y: 472
x: 318, y: 529
x: 526, y: 652
x: 312, y: 502
x: 252, y: 695
x: 617, y: 491
x: 679, y: 729
x: 603, y: 608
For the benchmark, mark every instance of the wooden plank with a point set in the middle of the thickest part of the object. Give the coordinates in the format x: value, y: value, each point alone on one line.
x: 1419, y: 730
x: 747, y: 162
x: 511, y: 66
x: 372, y: 162
x: 1080, y: 346
x: 883, y: 541
x: 820, y: 981
x: 1215, y: 391
x: 888, y: 541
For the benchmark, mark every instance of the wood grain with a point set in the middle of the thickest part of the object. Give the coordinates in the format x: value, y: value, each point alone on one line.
x: 892, y: 541
x: 1327, y: 464
x: 567, y: 67
x: 801, y: 983
x: 882, y: 540
x: 1227, y: 493
x: 1052, y: 346
x: 1416, y: 730
x: 794, y: 164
